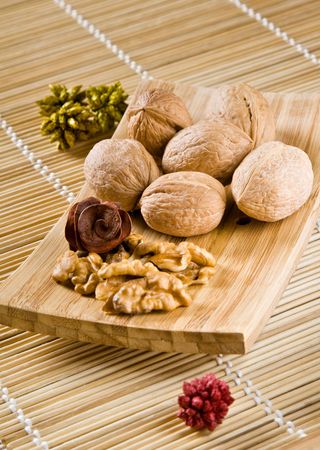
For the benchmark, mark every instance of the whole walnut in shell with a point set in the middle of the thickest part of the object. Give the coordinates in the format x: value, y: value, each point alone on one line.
x: 246, y: 108
x: 119, y: 170
x: 183, y: 203
x: 215, y: 147
x: 273, y: 181
x: 155, y: 118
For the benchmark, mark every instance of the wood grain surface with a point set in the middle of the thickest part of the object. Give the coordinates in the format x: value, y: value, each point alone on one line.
x: 254, y: 263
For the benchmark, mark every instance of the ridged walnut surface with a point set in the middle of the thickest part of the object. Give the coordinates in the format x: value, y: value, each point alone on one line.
x: 215, y: 147
x: 183, y: 204
x: 254, y: 264
x: 119, y: 171
x: 273, y: 181
x: 247, y: 108
x: 155, y: 117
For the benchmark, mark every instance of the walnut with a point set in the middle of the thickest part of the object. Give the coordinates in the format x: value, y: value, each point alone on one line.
x: 215, y: 147
x: 119, y: 170
x: 89, y: 286
x: 158, y: 301
x: 118, y: 256
x: 155, y: 281
x: 95, y: 261
x: 82, y: 271
x: 65, y: 267
x: 246, y: 108
x: 170, y: 283
x: 85, y: 277
x: 172, y: 261
x: 273, y: 182
x: 189, y: 262
x: 183, y: 204
x: 203, y: 275
x: 155, y: 247
x: 107, y: 288
x: 155, y: 118
x: 162, y: 291
x: 170, y: 250
x: 128, y: 299
x: 198, y: 254
x: 132, y: 241
x: 188, y: 276
x: 132, y: 268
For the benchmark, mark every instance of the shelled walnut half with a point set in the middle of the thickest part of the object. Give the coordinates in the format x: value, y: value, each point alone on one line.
x: 138, y: 277
x: 82, y: 272
x: 159, y: 292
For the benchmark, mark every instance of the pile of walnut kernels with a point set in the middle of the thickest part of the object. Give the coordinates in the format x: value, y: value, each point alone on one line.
x: 138, y: 277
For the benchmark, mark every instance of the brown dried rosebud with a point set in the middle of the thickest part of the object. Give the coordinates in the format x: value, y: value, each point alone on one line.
x: 96, y: 227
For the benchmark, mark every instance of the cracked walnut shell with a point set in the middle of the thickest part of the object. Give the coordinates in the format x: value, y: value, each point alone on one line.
x: 246, y: 108
x: 273, y: 181
x: 215, y: 147
x: 155, y: 118
x: 184, y: 204
x: 119, y: 170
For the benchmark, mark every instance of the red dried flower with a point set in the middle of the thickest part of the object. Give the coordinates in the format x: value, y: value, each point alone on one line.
x: 205, y: 402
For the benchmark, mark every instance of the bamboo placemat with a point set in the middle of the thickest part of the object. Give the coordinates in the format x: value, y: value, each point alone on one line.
x: 61, y: 394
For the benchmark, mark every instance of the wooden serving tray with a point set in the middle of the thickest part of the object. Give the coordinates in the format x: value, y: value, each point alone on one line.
x: 255, y: 262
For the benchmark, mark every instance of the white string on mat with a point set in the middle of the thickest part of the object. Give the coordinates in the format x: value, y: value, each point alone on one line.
x: 277, y: 31
x: 56, y: 182
x: 105, y: 40
x: 257, y: 396
x: 36, y: 162
x: 25, y: 421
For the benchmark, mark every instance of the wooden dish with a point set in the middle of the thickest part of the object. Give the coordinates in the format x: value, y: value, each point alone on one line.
x: 255, y: 262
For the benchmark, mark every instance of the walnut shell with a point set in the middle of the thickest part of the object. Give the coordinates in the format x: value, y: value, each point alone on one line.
x: 215, y: 147
x: 246, y: 108
x: 155, y: 118
x: 119, y: 170
x: 273, y: 181
x: 183, y: 203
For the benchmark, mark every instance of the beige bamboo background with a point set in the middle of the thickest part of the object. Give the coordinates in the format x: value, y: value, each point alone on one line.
x: 81, y: 396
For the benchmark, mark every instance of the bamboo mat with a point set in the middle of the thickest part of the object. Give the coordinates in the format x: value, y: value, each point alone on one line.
x: 84, y: 396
